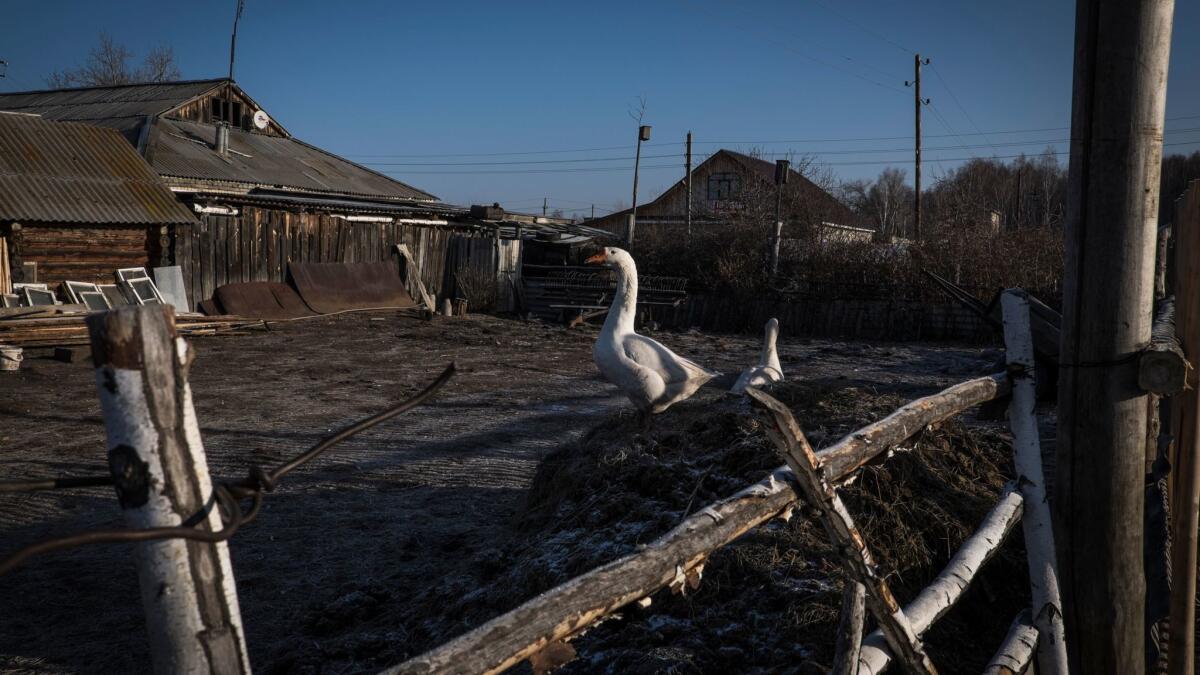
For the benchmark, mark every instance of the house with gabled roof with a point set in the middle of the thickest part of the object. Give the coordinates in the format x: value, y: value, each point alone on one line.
x: 729, y: 187
x: 262, y: 197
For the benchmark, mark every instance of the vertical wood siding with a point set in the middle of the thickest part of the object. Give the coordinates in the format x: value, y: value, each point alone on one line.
x: 258, y: 244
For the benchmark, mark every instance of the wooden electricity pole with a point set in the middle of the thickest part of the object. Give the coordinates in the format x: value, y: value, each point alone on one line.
x: 161, y: 475
x: 1121, y: 55
x: 917, y: 103
x: 688, y: 182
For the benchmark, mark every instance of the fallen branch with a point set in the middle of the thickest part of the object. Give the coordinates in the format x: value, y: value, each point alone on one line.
x: 938, y: 597
x: 565, y: 610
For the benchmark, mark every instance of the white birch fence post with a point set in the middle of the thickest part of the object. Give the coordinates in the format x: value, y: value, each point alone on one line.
x: 1039, y: 535
x: 161, y: 475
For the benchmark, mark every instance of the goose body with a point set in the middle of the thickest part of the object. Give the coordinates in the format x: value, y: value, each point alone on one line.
x: 768, y: 369
x: 651, y: 375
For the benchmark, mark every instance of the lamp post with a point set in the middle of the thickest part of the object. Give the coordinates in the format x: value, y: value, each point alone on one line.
x: 643, y: 135
x: 782, y: 170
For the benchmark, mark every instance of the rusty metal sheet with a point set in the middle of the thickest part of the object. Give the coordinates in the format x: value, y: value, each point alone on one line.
x: 261, y: 300
x: 334, y: 287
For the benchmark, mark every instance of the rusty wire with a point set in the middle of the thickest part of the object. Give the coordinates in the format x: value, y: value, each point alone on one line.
x: 227, y: 495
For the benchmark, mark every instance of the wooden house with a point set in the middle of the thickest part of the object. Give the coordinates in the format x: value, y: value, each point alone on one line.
x: 79, y: 202
x: 731, y: 187
x: 262, y: 197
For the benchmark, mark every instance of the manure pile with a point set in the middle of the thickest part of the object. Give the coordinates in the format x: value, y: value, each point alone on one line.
x: 767, y: 603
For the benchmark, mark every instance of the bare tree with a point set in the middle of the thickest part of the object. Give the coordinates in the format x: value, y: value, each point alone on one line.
x: 886, y: 203
x: 108, y: 64
x: 637, y: 110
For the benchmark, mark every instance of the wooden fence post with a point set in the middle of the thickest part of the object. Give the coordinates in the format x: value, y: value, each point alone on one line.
x: 1046, y: 607
x: 161, y: 475
x: 812, y: 478
x: 850, y: 629
x: 1185, y: 423
x: 1122, y: 48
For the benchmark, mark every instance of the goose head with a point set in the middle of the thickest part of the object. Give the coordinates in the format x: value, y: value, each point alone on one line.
x: 618, y: 258
x: 772, y: 330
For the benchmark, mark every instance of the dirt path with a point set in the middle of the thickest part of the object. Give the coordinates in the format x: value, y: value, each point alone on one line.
x: 414, y: 499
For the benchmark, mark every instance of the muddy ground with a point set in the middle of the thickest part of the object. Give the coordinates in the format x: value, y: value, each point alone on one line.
x: 415, y: 506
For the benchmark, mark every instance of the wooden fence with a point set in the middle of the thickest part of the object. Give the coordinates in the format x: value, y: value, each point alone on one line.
x: 541, y: 626
x: 158, y: 465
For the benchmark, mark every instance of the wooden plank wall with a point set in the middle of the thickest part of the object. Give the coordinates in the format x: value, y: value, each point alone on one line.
x: 484, y: 256
x: 88, y: 253
x: 257, y: 244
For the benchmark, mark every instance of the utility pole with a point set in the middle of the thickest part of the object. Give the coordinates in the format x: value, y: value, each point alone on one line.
x: 643, y: 135
x: 544, y: 201
x: 593, y: 211
x: 917, y: 103
x: 688, y: 182
x: 782, y: 169
x: 1122, y: 48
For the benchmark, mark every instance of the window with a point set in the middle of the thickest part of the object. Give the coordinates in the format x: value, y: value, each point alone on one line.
x: 723, y: 186
x: 219, y: 108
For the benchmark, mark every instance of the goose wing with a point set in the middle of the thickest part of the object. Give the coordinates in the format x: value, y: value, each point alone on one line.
x: 657, y: 357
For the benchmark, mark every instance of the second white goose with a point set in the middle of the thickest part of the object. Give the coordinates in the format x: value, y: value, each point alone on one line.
x: 768, y: 369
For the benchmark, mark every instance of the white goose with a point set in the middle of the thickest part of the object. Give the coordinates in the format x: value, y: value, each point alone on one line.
x: 768, y: 369
x: 654, y: 377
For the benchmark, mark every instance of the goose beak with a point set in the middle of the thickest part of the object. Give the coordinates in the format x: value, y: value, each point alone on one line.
x: 597, y: 259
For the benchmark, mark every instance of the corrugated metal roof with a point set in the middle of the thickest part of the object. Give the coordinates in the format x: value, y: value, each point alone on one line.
x: 62, y: 172
x: 93, y: 104
x: 185, y: 150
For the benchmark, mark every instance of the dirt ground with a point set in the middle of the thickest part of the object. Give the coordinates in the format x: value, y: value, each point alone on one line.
x: 414, y: 504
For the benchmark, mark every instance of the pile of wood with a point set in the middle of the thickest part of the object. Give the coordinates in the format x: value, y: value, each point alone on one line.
x: 60, y: 326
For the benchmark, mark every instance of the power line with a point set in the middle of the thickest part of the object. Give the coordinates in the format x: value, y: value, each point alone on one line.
x: 864, y: 28
x: 800, y: 53
x: 676, y: 166
x: 954, y: 98
x: 962, y: 145
x: 994, y: 132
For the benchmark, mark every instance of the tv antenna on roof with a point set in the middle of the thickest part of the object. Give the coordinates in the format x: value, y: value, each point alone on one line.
x: 241, y: 4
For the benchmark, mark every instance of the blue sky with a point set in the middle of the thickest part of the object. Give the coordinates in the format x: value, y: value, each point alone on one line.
x: 429, y: 91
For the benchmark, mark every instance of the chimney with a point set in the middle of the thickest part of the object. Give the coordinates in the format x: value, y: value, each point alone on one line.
x: 222, y: 144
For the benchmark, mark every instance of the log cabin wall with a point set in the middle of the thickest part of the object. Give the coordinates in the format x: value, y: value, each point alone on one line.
x: 66, y: 252
x: 258, y: 243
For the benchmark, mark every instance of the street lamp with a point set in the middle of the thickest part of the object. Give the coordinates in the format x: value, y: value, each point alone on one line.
x: 643, y: 135
x: 782, y: 171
